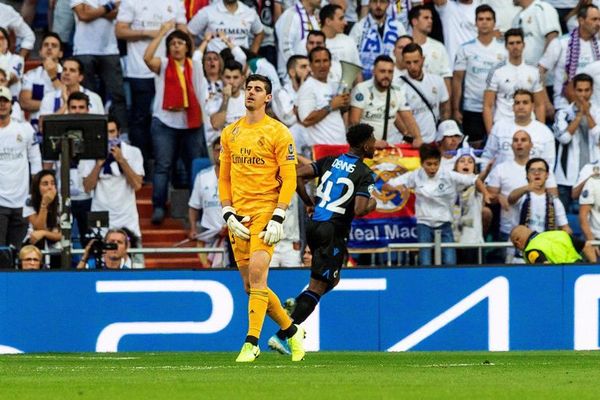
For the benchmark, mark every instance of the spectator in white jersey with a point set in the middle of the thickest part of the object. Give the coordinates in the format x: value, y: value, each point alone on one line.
x: 540, y: 24
x: 228, y: 107
x: 399, y: 66
x: 382, y: 105
x: 570, y: 53
x: 448, y: 139
x: 19, y: 156
x: 509, y: 175
x: 284, y: 101
x: 376, y: 34
x: 426, y: 93
x: 138, y: 22
x: 319, y: 105
x: 317, y: 39
x: 239, y: 22
x: 589, y: 207
x: 436, y: 56
x: 458, y: 23
x: 474, y: 60
x: 577, y: 132
x: 55, y: 102
x: 43, y: 79
x: 113, y: 182
x: 538, y: 208
x: 177, y: 116
x: 341, y: 46
x: 508, y: 76
x: 95, y: 45
x: 13, y: 64
x: 10, y: 19
x: 292, y: 28
x: 498, y: 145
x: 209, y: 229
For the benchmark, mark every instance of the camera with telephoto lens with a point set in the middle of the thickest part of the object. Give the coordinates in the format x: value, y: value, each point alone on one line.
x: 97, y: 246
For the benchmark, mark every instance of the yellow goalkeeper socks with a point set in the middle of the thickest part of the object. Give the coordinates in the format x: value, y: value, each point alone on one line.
x: 277, y: 312
x: 257, y: 309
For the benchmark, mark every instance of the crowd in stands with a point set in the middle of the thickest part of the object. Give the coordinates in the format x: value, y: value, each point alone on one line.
x: 501, y: 97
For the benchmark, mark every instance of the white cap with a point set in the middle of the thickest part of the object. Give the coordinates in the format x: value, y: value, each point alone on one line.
x: 5, y: 92
x: 448, y: 127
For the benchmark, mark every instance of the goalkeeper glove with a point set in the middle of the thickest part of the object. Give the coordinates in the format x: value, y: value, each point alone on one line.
x: 235, y: 223
x: 273, y: 233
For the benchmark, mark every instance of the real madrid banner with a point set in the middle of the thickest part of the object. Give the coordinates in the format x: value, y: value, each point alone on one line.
x: 393, y: 221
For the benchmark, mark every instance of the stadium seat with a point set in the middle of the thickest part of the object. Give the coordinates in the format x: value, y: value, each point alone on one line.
x: 198, y: 165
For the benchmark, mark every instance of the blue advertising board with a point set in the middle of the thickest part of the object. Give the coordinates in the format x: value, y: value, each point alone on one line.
x: 493, y: 308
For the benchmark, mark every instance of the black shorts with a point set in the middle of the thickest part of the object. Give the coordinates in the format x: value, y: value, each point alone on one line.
x: 327, y: 244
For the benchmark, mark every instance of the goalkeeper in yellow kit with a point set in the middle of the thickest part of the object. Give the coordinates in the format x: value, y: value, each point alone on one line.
x: 257, y: 180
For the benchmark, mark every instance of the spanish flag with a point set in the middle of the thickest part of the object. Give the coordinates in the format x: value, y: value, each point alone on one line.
x: 192, y: 7
x: 179, y: 91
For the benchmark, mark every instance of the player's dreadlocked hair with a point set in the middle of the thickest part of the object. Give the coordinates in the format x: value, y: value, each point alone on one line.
x: 358, y: 134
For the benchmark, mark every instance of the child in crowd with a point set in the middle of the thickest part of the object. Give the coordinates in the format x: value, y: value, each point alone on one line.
x: 472, y: 219
x: 436, y: 190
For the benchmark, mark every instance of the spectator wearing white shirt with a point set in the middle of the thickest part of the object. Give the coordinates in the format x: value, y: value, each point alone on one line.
x: 448, y: 139
x: 498, y: 145
x: 589, y: 207
x: 292, y: 28
x: 426, y: 93
x: 540, y: 24
x: 591, y: 170
x: 319, y: 107
x: 509, y: 175
x: 576, y: 130
x: 138, y: 22
x: 239, y: 22
x: 593, y: 70
x: 370, y: 101
x: 113, y: 182
x: 213, y: 66
x: 341, y: 46
x: 95, y: 45
x: 458, y: 23
x: 209, y: 231
x: 508, y: 76
x: 177, y: 116
x: 474, y: 60
x: 228, y: 107
x: 570, y: 53
x: 376, y: 34
x: 435, y: 191
x: 436, y: 56
x: 81, y: 201
x: 55, y: 102
x: 537, y: 207
x: 10, y: 19
x: 11, y: 63
x: 287, y: 250
x: 284, y: 101
x: 17, y: 112
x: 20, y: 156
x: 399, y: 66
x: 317, y: 39
x: 43, y: 79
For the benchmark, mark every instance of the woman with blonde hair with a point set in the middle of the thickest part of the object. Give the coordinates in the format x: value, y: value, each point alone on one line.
x: 30, y: 257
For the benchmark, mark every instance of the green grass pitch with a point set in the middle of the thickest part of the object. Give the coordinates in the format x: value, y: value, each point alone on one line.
x: 325, y: 375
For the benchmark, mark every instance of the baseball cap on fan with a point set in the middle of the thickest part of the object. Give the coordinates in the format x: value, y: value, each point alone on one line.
x: 5, y: 93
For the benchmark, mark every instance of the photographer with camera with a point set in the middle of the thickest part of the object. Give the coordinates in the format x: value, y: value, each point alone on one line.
x: 110, y: 253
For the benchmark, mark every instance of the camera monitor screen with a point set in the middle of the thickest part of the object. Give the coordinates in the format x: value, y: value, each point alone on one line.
x: 89, y: 133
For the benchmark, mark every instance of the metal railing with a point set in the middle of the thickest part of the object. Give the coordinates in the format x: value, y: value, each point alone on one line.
x: 162, y: 250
